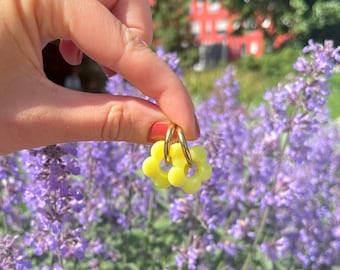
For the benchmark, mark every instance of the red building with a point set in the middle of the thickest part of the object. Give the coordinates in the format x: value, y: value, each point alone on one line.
x: 213, y: 24
x: 215, y: 29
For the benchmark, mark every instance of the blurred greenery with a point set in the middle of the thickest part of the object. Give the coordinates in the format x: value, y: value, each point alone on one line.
x: 334, y: 98
x: 258, y: 74
x: 305, y: 18
x: 172, y: 30
x: 255, y: 76
x: 200, y: 84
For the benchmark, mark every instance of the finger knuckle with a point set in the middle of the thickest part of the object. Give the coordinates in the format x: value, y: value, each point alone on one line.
x: 118, y: 124
x: 132, y: 41
x: 113, y: 121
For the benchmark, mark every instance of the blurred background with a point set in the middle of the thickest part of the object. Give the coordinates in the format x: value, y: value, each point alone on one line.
x: 261, y: 38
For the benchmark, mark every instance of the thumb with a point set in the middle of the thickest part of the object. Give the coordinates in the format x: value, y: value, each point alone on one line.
x: 51, y: 114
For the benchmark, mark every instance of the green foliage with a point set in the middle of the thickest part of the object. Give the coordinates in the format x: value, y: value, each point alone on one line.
x: 276, y: 63
x: 255, y: 76
x: 308, y: 16
x: 334, y: 98
x: 302, y: 17
x: 271, y: 68
x: 200, y: 84
x: 247, y: 9
x: 172, y: 29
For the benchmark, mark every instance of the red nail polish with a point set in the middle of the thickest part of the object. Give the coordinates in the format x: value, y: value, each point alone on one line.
x: 109, y: 72
x: 158, y: 131
x: 79, y: 56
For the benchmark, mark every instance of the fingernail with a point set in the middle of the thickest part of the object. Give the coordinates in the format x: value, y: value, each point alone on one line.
x: 79, y: 56
x: 198, y: 131
x: 109, y: 72
x: 157, y: 131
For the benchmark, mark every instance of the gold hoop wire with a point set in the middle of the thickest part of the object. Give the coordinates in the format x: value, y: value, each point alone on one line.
x: 167, y: 143
x: 184, y: 145
x: 182, y: 140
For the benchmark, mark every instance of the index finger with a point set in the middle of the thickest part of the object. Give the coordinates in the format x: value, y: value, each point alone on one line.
x: 104, y: 38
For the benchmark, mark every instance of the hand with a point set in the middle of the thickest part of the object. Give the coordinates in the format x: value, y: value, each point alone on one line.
x: 115, y: 33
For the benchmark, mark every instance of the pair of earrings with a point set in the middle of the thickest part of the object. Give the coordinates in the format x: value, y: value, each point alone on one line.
x: 188, y: 166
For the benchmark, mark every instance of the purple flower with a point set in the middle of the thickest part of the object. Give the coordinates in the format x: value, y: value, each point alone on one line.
x: 12, y: 256
x: 274, y: 168
x: 55, y: 199
x: 115, y: 188
x: 12, y: 186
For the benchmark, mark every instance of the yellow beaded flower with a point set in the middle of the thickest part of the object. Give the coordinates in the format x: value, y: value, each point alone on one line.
x: 180, y: 175
x: 189, y: 179
x: 152, y: 166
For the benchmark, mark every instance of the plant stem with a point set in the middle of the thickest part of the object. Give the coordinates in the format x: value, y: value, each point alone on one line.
x: 257, y: 238
x: 149, y: 226
x: 263, y: 222
x: 5, y: 226
x: 150, y: 212
x: 60, y: 260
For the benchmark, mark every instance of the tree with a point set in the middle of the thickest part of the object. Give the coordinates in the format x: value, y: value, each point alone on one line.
x: 172, y: 29
x: 305, y: 18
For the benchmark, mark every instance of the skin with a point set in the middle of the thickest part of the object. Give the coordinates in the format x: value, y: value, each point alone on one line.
x: 115, y: 33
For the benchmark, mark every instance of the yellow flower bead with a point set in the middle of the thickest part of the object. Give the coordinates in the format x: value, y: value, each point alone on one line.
x: 192, y: 186
x: 203, y: 168
x: 178, y: 174
x: 152, y: 166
